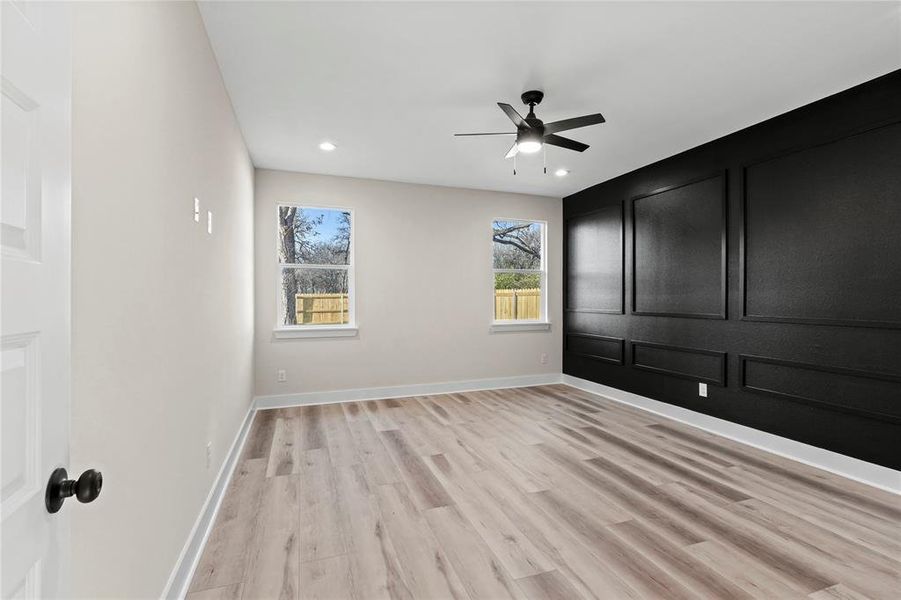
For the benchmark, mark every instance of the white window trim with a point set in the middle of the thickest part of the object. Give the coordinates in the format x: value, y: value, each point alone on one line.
x: 513, y: 325
x: 314, y: 331
x: 317, y: 331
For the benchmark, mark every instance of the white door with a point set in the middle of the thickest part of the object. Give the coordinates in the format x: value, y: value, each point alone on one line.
x: 35, y: 150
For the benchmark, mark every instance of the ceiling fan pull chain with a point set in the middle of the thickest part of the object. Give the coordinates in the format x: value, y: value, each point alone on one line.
x: 514, y: 164
x: 544, y: 155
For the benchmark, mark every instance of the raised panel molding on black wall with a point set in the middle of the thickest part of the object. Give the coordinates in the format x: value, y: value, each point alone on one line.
x: 876, y: 395
x: 679, y: 250
x: 594, y: 249
x: 810, y: 236
x: 708, y: 366
x: 780, y: 244
x: 596, y: 347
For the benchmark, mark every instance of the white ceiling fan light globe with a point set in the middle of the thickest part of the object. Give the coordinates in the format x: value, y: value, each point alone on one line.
x: 529, y: 146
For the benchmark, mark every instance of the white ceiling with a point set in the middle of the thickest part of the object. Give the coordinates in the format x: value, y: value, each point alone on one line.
x: 390, y: 83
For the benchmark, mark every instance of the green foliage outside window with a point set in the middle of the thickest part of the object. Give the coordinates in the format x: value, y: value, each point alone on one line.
x: 517, y: 281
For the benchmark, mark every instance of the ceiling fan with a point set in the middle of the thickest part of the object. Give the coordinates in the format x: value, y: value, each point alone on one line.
x: 532, y: 133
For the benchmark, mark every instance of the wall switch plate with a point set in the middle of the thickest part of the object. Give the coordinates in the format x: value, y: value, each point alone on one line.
x: 543, y: 358
x: 197, y: 210
x: 209, y: 454
x: 281, y: 375
x: 702, y: 390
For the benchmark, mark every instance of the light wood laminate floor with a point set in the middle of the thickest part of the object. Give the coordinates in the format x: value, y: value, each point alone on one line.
x: 541, y: 492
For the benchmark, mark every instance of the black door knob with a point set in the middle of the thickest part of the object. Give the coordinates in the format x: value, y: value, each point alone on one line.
x: 60, y: 487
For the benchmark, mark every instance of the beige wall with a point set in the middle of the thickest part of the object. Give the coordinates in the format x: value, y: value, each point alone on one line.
x: 443, y: 337
x: 162, y: 312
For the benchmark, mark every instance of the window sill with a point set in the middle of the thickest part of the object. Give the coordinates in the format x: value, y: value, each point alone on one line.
x: 290, y: 333
x: 503, y: 327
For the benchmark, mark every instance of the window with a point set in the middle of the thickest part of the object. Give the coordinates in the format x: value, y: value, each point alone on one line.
x: 520, y: 275
x: 315, y: 255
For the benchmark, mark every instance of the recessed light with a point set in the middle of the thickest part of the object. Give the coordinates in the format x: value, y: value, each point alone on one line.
x: 561, y: 172
x: 327, y: 146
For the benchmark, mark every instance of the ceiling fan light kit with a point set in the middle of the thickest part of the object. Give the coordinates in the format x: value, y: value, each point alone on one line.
x: 528, y: 146
x: 532, y: 134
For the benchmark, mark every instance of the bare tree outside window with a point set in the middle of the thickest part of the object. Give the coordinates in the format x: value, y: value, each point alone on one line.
x: 315, y: 262
x: 517, y: 245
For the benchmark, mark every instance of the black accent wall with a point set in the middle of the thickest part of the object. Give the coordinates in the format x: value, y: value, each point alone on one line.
x: 766, y: 264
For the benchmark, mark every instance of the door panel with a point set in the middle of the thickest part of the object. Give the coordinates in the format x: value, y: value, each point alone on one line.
x: 35, y: 107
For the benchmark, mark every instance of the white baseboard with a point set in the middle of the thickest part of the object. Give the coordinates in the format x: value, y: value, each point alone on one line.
x: 846, y: 466
x: 403, y: 391
x: 180, y: 578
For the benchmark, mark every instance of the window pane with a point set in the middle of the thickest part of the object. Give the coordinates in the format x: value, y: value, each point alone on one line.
x: 313, y: 236
x: 517, y: 296
x: 517, y: 245
x: 314, y: 297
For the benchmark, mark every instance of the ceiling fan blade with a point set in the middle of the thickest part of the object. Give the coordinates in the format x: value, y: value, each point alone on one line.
x: 514, y: 116
x: 559, y: 140
x: 514, y: 150
x: 573, y: 123
x: 469, y: 134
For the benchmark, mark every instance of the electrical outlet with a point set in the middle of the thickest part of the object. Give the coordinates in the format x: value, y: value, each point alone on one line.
x: 281, y: 375
x: 209, y: 454
x: 702, y: 390
x: 543, y: 359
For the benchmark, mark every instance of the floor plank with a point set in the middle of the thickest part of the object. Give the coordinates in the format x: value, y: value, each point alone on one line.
x: 226, y: 592
x: 425, y: 566
x: 547, y: 586
x: 284, y: 454
x: 225, y: 556
x: 427, y: 491
x: 321, y: 535
x: 259, y: 440
x: 273, y: 567
x: 375, y: 568
x: 326, y: 579
x: 472, y: 559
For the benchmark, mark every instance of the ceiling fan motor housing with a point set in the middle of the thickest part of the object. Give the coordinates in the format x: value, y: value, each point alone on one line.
x: 535, y: 131
x: 532, y: 97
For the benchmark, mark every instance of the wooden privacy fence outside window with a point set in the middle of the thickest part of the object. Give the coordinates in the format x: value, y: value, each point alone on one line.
x: 517, y: 304
x: 324, y: 309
